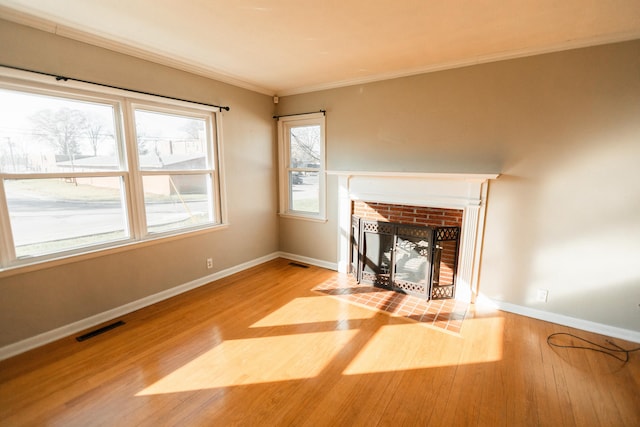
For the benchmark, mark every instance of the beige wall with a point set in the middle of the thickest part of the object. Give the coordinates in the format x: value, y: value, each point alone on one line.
x: 563, y: 129
x: 43, y: 300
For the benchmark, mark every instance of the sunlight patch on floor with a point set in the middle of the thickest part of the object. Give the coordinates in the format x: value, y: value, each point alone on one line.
x: 255, y: 360
x: 312, y: 310
x: 415, y: 347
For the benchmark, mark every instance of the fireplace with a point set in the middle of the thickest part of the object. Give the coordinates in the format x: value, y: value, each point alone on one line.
x: 408, y: 249
x: 465, y: 193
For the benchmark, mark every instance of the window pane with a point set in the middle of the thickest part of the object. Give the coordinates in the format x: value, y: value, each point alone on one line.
x: 53, y: 215
x: 305, y: 147
x: 305, y: 191
x: 170, y: 142
x: 43, y: 134
x: 177, y: 201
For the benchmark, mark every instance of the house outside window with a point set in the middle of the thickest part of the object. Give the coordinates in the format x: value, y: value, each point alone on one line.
x: 302, y: 166
x: 82, y: 171
x: 177, y: 169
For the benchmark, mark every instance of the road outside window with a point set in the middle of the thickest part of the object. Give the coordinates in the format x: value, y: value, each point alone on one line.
x: 69, y: 183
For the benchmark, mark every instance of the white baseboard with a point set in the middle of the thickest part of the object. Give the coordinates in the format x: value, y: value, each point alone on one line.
x: 312, y: 261
x: 560, y: 319
x: 72, y: 328
x: 75, y: 327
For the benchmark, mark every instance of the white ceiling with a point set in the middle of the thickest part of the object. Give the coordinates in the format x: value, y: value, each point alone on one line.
x: 293, y: 46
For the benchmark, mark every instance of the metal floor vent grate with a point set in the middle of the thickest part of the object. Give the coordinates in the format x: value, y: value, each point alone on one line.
x: 295, y: 264
x: 99, y: 331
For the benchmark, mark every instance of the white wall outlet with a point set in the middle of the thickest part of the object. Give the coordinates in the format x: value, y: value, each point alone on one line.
x: 209, y: 262
x: 543, y: 294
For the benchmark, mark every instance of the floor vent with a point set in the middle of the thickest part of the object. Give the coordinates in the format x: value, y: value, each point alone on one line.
x: 295, y: 264
x: 99, y: 331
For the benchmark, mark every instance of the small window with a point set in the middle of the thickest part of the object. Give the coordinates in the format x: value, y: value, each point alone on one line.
x: 302, y: 177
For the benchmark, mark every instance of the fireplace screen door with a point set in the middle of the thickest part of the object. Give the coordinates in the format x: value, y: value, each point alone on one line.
x: 412, y: 270
x: 405, y: 258
x: 376, y: 246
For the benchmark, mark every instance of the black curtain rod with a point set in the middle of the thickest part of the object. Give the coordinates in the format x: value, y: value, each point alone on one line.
x: 300, y: 114
x: 64, y: 79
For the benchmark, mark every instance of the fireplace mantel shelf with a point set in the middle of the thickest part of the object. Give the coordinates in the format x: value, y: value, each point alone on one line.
x: 474, y: 177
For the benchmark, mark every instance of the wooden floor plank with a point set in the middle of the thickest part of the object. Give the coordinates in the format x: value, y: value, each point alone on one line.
x: 261, y: 348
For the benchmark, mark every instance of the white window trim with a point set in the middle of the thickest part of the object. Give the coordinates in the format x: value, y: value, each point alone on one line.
x: 122, y: 100
x: 284, y: 123
x: 210, y: 169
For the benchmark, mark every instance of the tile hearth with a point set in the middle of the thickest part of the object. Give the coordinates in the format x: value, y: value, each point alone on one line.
x: 447, y: 314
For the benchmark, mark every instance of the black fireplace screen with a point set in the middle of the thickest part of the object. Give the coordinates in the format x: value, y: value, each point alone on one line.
x: 416, y: 260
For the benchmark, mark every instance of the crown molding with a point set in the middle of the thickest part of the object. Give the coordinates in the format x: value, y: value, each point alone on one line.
x: 140, y: 51
x: 26, y: 17
x: 483, y: 59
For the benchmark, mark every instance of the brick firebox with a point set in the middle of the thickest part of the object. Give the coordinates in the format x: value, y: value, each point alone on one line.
x: 410, y: 215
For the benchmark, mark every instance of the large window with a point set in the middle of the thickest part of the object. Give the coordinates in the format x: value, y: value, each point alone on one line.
x: 81, y: 171
x: 302, y: 178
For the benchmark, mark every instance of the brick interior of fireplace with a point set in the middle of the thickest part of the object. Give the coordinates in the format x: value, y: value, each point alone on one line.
x: 411, y: 215
x: 416, y: 215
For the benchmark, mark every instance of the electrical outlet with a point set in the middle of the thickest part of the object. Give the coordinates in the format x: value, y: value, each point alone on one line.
x: 209, y: 262
x: 542, y: 295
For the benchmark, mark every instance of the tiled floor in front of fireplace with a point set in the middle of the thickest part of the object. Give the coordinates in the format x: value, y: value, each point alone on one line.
x: 446, y: 314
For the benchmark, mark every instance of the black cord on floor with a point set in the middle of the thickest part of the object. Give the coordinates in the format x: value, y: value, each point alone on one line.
x: 597, y: 347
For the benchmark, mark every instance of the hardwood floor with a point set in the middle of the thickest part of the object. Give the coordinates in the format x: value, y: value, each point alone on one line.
x: 261, y: 348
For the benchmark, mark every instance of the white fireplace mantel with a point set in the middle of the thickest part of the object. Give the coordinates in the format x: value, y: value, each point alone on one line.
x: 464, y: 191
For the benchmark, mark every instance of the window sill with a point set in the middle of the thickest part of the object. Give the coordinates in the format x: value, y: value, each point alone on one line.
x: 40, y: 264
